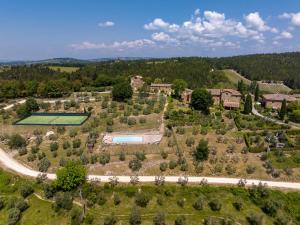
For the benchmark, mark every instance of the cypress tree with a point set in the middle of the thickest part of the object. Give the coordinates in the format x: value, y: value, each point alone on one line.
x: 248, y: 105
x: 283, y: 109
x: 256, y: 94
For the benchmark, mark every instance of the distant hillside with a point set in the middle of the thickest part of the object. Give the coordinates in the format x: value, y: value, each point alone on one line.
x: 284, y: 67
x: 235, y: 77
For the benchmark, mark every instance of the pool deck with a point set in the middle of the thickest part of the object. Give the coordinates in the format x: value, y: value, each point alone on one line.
x: 147, y: 138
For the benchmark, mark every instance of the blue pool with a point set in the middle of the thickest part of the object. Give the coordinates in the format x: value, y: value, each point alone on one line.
x: 127, y: 139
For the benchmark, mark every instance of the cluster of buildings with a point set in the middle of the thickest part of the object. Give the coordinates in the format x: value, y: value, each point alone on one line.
x: 230, y: 98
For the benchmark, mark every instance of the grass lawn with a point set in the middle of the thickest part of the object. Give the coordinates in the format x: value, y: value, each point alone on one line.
x: 67, y: 69
x: 235, y: 77
x: 52, y: 120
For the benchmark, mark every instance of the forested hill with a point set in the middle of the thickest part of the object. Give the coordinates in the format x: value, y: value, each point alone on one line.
x: 284, y: 66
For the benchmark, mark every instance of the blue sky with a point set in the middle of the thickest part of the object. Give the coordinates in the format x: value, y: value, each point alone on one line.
x: 35, y: 29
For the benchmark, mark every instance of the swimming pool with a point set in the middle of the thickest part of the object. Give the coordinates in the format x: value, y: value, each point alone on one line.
x: 127, y: 139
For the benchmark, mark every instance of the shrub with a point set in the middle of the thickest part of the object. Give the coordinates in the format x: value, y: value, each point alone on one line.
x: 250, y: 169
x: 172, y: 164
x: 190, y: 141
x: 270, y: 207
x: 215, y: 205
x: 22, y: 151
x: 164, y: 154
x: 117, y: 199
x: 142, y: 199
x: 202, y: 151
x: 238, y: 204
x: 73, y: 133
x: 26, y: 190
x: 76, y: 143
x: 101, y: 199
x: 163, y: 166
x: 109, y: 129
x: 122, y: 156
x: 140, y: 156
x: 135, y: 164
x: 104, y: 158
x: 66, y: 145
x: 53, y: 146
x: 181, y: 220
x: 63, y: 201
x: 131, y: 121
x: 2, y: 203
x: 14, y: 216
x: 142, y: 120
x: 255, y: 219
x: 171, y: 143
x: 135, y: 217
x: 198, y: 204
x: 44, y: 164
x: 181, y: 202
x: 159, y: 219
x: 109, y: 122
x: 16, y: 141
x: 110, y: 220
x: 89, y: 218
x: 76, y: 216
x: 180, y: 130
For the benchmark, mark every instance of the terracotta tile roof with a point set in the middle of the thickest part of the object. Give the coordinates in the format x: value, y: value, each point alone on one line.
x: 217, y: 92
x: 279, y: 97
x: 231, y: 104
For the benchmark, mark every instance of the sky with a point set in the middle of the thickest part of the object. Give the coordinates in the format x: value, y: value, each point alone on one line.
x: 91, y: 29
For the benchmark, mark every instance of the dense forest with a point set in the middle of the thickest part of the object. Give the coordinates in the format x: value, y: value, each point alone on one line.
x: 39, y: 80
x: 284, y: 67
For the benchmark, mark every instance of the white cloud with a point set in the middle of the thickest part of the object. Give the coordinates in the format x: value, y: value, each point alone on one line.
x: 139, y: 43
x: 284, y: 35
x: 255, y: 21
x: 162, y: 37
x: 197, y: 12
x: 106, y: 24
x: 157, y: 23
x: 294, y: 18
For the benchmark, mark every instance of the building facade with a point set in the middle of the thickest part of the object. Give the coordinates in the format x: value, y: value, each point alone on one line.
x: 136, y: 82
x: 161, y: 88
x: 274, y: 101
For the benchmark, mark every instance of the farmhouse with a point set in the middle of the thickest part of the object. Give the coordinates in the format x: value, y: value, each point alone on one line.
x: 229, y: 97
x: 136, y: 82
x: 275, y: 100
x: 161, y: 88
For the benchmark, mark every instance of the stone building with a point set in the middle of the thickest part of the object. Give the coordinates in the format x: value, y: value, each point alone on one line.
x: 186, y: 95
x: 136, y: 82
x: 274, y: 101
x: 229, y: 97
x: 161, y: 88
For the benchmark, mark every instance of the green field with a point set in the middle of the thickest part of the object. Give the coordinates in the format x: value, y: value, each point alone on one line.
x: 67, y: 69
x: 235, y: 77
x: 52, y: 120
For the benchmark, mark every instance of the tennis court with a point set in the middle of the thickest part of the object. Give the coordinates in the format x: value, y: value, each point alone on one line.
x: 54, y: 119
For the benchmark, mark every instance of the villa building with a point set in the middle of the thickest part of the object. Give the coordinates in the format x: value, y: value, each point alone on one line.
x: 161, y: 88
x: 274, y: 101
x: 229, y: 97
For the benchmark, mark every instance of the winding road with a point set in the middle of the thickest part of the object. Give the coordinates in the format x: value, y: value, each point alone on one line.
x: 10, y: 163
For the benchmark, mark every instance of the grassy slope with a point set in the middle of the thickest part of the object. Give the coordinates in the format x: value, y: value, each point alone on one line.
x: 235, y: 77
x: 66, y: 69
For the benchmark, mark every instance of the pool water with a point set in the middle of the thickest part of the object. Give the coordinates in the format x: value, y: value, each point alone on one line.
x: 127, y: 139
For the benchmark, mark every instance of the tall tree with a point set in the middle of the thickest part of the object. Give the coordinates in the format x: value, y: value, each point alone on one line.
x: 122, y: 91
x: 283, y: 110
x: 201, y: 100
x: 257, y: 93
x: 248, y: 104
x: 179, y: 86
x: 202, y: 151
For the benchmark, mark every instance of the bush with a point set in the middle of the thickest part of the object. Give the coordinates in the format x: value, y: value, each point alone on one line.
x: 202, y: 151
x: 73, y: 133
x: 198, y: 204
x: 135, y: 164
x: 190, y: 141
x: 109, y: 129
x: 66, y: 145
x: 181, y: 220
x: 215, y: 205
x: 181, y: 202
x: 117, y: 199
x: 135, y: 217
x: 104, y: 158
x: 142, y: 199
x: 122, y: 156
x: 2, y: 203
x: 26, y: 190
x: 16, y: 141
x: 180, y: 130
x: 250, y: 169
x: 131, y: 121
x: 142, y: 120
x: 238, y: 204
x: 255, y: 219
x: 101, y: 199
x: 14, y: 216
x: 172, y: 164
x: 164, y: 154
x: 63, y: 201
x: 53, y: 146
x: 140, y: 156
x: 76, y: 143
x: 49, y: 190
x: 110, y: 220
x: 44, y: 164
x: 163, y: 166
x: 270, y: 207
x: 159, y: 219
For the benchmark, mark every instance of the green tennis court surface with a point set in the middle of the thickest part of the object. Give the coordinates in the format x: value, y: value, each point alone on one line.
x: 52, y: 120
